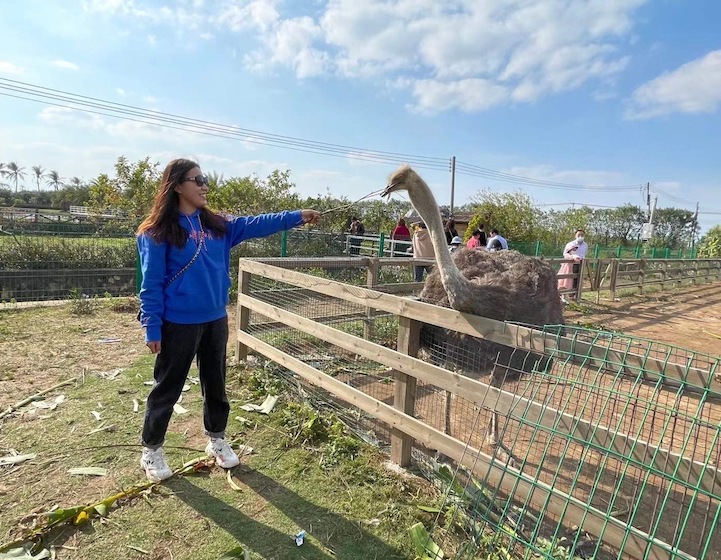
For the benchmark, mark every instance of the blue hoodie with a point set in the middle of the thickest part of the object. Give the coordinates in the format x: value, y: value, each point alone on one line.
x: 200, y: 294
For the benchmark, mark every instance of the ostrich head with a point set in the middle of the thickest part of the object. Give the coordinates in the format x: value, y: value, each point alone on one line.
x: 403, y: 179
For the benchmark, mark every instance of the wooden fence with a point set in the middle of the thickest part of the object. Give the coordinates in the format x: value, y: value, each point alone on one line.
x: 682, y: 376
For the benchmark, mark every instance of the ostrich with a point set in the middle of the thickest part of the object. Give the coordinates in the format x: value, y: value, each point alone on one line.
x: 504, y: 285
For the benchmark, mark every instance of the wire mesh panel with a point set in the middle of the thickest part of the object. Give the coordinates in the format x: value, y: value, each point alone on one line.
x: 594, y: 444
x: 641, y: 452
x: 36, y: 268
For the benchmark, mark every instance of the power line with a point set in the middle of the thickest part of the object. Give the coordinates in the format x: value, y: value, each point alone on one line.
x: 67, y: 100
x: 474, y: 170
x: 92, y: 105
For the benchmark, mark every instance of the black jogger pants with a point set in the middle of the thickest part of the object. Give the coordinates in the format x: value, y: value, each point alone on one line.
x: 179, y: 345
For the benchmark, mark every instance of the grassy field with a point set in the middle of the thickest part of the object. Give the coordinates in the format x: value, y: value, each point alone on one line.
x: 303, y: 475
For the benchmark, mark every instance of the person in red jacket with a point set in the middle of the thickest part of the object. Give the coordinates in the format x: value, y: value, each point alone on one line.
x: 401, y: 231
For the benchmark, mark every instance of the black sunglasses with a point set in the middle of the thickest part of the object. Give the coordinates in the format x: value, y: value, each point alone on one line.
x: 200, y: 180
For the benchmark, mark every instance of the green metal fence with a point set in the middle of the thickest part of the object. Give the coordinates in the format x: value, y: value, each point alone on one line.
x: 42, y: 258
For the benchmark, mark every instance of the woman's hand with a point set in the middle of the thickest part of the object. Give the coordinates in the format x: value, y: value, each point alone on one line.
x: 310, y: 216
x: 154, y: 346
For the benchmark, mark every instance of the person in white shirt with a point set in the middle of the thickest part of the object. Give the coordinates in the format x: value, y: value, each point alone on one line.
x: 580, y: 253
x: 493, y: 241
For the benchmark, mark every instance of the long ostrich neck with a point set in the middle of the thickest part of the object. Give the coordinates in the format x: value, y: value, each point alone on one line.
x: 425, y: 204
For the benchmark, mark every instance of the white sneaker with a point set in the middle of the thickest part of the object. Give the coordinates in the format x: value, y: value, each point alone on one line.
x: 223, y: 453
x: 155, y: 465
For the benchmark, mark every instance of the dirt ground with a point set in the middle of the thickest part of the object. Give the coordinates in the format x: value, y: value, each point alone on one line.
x: 689, y: 318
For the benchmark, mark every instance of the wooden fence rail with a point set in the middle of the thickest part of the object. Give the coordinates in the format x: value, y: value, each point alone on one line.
x: 408, y: 370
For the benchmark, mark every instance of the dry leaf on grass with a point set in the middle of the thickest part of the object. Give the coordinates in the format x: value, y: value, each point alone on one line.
x: 179, y: 409
x: 92, y: 471
x: 265, y: 408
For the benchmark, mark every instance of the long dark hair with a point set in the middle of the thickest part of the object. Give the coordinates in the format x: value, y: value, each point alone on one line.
x: 163, y: 222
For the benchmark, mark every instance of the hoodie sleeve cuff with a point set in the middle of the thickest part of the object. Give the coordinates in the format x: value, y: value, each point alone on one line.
x: 152, y: 334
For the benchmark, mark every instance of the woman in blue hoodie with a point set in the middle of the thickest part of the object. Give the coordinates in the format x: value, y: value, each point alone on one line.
x: 185, y: 259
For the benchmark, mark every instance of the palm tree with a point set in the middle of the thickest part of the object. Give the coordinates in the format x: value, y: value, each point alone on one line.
x: 54, y: 179
x: 39, y: 174
x: 15, y: 172
x: 75, y: 182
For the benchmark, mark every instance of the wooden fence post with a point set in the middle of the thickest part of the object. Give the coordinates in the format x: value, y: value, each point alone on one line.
x: 641, y: 275
x: 579, y: 286
x: 243, y: 317
x: 409, y: 335
x: 664, y: 266
x: 614, y: 278
x: 372, y: 273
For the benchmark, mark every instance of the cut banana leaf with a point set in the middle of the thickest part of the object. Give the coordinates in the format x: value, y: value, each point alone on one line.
x: 425, y: 547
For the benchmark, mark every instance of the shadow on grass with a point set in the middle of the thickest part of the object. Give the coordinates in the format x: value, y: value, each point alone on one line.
x: 345, y: 538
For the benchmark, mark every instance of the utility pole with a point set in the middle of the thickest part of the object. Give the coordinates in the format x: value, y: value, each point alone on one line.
x: 453, y: 181
x: 648, y: 201
x: 694, y: 225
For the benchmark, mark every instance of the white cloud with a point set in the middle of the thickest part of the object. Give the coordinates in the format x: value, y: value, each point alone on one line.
x: 121, y: 92
x: 124, y: 129
x: 10, y: 68
x: 257, y: 14
x: 694, y: 87
x: 66, y: 65
x: 468, y: 95
x: 516, y: 51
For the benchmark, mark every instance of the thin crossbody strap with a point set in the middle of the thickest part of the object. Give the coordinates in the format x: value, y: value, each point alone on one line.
x: 186, y: 267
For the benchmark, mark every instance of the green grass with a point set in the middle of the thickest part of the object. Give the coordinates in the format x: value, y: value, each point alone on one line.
x: 352, y: 507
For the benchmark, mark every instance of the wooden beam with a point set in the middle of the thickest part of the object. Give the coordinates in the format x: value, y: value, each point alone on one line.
x: 524, y: 410
x: 567, y: 509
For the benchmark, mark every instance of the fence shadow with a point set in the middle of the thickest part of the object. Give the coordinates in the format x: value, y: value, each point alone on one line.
x: 327, y: 526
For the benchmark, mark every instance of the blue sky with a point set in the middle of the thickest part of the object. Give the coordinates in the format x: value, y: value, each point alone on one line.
x: 598, y: 94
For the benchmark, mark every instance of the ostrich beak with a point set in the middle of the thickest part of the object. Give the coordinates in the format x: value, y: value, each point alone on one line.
x: 390, y: 188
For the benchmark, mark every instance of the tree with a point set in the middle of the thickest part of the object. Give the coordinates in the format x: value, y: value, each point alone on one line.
x: 39, y: 173
x: 137, y: 182
x: 559, y: 227
x: 252, y: 195
x: 674, y: 227
x: 709, y: 246
x: 514, y: 215
x: 15, y: 172
x: 75, y: 182
x: 54, y: 180
x: 620, y: 225
x: 104, y: 195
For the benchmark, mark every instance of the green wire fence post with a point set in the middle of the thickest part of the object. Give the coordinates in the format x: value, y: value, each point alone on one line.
x: 538, y: 247
x: 638, y: 251
x: 653, y: 252
x: 382, y: 244
x: 596, y: 250
x: 618, y: 251
x: 668, y: 250
x: 284, y: 243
